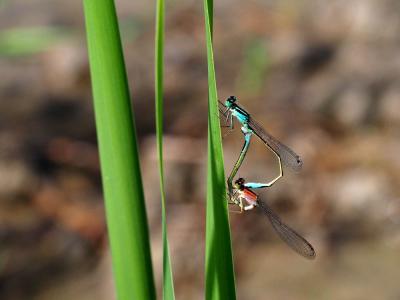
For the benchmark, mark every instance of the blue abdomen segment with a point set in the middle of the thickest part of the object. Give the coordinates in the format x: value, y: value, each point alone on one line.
x: 255, y: 185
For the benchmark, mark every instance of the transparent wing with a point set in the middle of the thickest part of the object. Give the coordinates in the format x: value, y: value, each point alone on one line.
x: 224, y: 114
x: 222, y: 108
x: 287, y: 234
x: 288, y: 157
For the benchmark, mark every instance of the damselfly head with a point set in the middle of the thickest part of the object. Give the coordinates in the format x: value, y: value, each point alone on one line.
x: 230, y: 101
x: 239, y: 183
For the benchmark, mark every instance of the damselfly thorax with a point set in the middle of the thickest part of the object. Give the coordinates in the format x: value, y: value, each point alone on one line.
x: 245, y: 198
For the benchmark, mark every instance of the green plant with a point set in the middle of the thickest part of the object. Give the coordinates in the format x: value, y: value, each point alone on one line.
x: 168, y: 285
x: 122, y: 183
x: 220, y: 278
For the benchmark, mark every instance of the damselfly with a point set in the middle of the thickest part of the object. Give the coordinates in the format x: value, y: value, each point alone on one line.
x: 249, y: 127
x: 246, y: 199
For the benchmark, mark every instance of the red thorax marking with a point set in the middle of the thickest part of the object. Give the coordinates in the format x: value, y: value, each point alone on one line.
x: 249, y: 195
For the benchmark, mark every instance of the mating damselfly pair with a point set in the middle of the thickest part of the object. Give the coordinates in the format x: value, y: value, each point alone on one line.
x: 240, y: 192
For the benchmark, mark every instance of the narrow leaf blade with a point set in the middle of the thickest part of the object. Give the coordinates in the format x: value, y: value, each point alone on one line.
x: 220, y: 278
x: 119, y: 158
x: 168, y: 284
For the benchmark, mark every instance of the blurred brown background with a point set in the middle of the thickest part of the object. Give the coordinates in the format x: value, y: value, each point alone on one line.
x: 322, y: 76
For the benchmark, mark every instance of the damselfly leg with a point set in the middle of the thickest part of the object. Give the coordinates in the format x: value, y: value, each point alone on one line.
x: 235, y: 200
x: 238, y: 199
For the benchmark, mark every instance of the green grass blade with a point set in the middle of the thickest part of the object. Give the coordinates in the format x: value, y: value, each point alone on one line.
x: 168, y: 284
x: 122, y: 183
x: 220, y: 277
